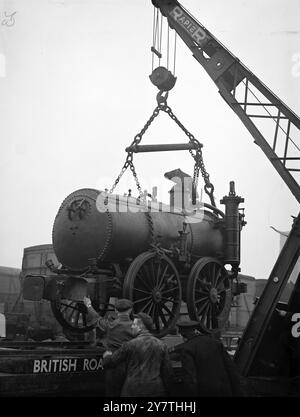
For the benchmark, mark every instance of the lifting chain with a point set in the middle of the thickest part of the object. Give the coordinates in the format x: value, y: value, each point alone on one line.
x: 129, y: 160
x: 197, y: 156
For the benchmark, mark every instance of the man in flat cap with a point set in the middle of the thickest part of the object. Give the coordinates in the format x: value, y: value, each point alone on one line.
x: 207, y: 369
x: 116, y: 332
x: 149, y: 370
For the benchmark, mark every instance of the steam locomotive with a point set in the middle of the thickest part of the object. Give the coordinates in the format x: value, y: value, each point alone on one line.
x: 159, y: 256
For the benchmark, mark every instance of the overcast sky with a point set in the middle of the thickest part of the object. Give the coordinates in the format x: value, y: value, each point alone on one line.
x: 74, y: 90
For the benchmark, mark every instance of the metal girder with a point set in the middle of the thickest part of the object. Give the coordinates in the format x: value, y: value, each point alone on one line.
x: 261, y: 316
x: 260, y: 140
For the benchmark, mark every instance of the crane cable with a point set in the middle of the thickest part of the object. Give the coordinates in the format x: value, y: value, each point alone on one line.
x: 156, y: 38
x: 160, y: 38
x: 157, y: 41
x: 175, y: 50
x: 168, y: 47
x: 154, y: 29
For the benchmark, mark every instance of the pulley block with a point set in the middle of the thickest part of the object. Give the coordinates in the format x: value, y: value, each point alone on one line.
x: 163, y: 79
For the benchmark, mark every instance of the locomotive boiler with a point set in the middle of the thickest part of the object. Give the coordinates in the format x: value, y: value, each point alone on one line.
x: 159, y: 256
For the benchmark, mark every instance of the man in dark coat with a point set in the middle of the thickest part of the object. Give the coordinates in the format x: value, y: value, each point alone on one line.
x: 207, y: 369
x: 149, y: 370
x: 116, y: 332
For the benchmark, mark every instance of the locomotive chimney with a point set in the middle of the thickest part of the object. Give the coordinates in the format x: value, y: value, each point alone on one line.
x: 233, y: 226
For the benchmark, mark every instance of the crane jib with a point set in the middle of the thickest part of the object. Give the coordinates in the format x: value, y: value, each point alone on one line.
x: 190, y: 25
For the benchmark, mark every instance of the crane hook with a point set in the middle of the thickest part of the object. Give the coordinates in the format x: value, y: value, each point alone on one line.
x: 161, y: 98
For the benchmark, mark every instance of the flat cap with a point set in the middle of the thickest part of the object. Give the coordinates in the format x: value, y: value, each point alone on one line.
x: 189, y: 325
x: 123, y: 304
x: 146, y: 319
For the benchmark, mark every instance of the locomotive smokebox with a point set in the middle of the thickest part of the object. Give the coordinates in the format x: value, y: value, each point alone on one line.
x: 81, y: 232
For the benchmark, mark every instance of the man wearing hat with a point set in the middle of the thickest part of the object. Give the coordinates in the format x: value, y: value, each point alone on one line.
x: 149, y: 370
x: 207, y: 369
x: 116, y: 332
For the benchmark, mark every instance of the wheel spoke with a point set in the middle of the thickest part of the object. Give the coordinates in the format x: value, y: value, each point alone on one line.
x: 217, y: 308
x: 168, y: 300
x: 203, y: 285
x: 162, y: 277
x: 205, y: 276
x: 213, y: 273
x: 166, y: 283
x: 71, y: 309
x: 68, y: 306
x: 205, y: 290
x: 156, y: 318
x: 142, y: 299
x: 208, y: 284
x: 221, y: 280
x: 84, y: 319
x: 142, y: 280
x: 200, y: 300
x: 162, y: 316
x: 76, y: 318
x: 218, y: 276
x: 208, y: 317
x: 150, y: 311
x: 204, y: 313
x: 152, y: 273
x: 148, y: 280
x: 214, y: 319
x: 167, y: 310
x: 158, y: 273
x: 170, y: 289
x: 221, y: 289
x: 71, y: 314
x: 203, y: 307
x: 138, y: 289
x: 202, y: 292
x: 146, y: 305
x: 80, y: 320
x: 63, y: 307
x: 147, y: 285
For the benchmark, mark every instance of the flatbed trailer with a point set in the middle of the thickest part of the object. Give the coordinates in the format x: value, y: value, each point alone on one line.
x: 32, y: 369
x: 51, y: 369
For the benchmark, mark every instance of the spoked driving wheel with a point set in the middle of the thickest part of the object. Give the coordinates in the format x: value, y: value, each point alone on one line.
x: 152, y: 283
x: 209, y: 293
x: 71, y: 315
